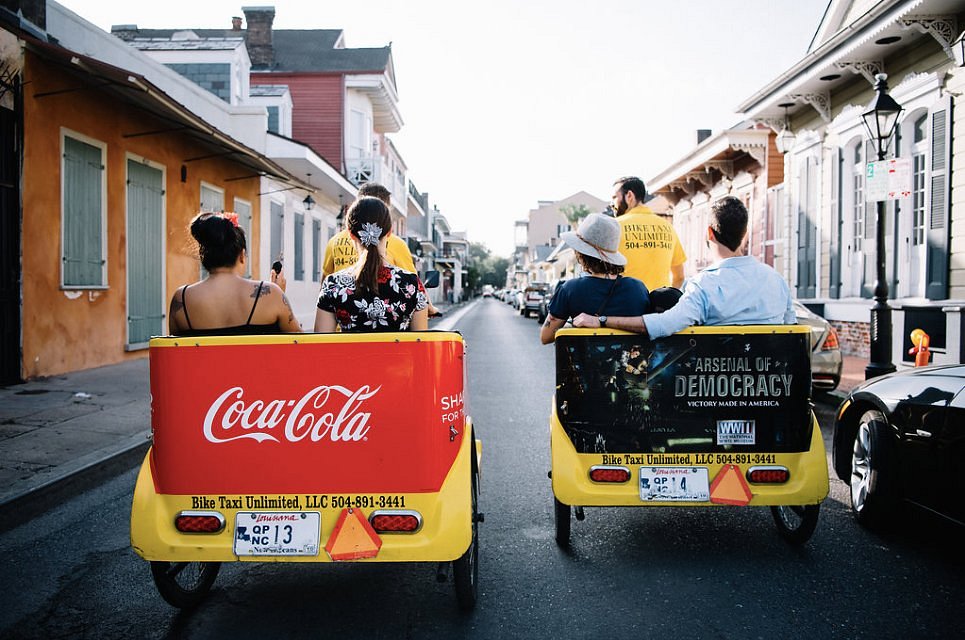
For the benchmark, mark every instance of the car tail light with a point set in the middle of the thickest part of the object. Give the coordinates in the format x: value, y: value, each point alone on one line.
x: 199, y: 522
x: 395, y: 521
x: 768, y: 475
x: 831, y: 342
x: 609, y: 474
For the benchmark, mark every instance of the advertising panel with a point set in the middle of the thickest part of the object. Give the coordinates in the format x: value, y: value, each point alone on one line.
x: 306, y: 417
x: 694, y: 392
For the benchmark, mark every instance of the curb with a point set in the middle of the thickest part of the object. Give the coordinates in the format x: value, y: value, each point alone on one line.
x: 41, y: 492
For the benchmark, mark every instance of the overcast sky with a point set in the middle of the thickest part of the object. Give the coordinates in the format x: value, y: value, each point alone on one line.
x: 509, y: 102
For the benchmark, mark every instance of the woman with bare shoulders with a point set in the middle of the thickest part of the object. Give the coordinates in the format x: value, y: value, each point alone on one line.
x: 225, y: 302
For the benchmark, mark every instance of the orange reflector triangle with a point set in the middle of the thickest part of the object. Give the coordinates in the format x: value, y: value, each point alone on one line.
x: 353, y: 537
x: 729, y: 487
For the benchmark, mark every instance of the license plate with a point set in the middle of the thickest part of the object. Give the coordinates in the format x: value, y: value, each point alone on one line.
x: 277, y: 533
x: 674, y: 484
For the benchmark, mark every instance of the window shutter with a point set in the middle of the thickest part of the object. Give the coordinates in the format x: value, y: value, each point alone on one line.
x: 834, y: 270
x: 316, y: 250
x: 299, y: 267
x: 277, y: 244
x: 869, y: 248
x: 83, y: 242
x: 243, y: 209
x: 936, y: 261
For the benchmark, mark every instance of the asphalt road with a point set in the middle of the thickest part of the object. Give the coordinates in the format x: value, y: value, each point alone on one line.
x: 629, y: 573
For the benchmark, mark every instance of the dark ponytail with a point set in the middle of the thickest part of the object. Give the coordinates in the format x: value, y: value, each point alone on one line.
x: 220, y: 239
x: 362, y: 215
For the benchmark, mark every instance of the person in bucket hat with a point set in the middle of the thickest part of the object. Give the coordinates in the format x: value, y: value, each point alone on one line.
x: 602, y: 290
x: 735, y: 289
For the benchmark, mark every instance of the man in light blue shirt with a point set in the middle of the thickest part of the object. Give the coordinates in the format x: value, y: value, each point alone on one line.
x: 736, y: 289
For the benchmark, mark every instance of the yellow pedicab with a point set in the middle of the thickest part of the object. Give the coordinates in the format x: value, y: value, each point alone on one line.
x: 277, y: 449
x: 710, y: 416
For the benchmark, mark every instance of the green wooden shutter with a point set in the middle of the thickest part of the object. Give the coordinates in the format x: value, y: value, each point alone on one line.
x: 243, y: 209
x: 299, y: 267
x: 868, y: 247
x: 936, y: 261
x: 145, y: 259
x: 83, y: 242
x: 316, y: 250
x: 837, y: 225
x: 807, y: 230
x: 277, y: 239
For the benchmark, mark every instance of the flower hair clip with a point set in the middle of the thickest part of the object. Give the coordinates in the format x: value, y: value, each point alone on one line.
x: 230, y: 216
x: 370, y: 234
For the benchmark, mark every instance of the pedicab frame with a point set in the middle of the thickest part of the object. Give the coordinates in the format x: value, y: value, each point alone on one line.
x: 614, y: 433
x: 352, y: 431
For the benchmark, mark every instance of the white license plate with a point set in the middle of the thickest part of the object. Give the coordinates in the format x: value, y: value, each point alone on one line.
x: 277, y: 533
x: 674, y: 484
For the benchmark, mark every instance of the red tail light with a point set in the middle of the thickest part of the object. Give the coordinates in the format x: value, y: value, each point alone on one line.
x: 609, y: 474
x: 199, y: 522
x: 396, y: 521
x: 768, y: 475
x: 831, y: 342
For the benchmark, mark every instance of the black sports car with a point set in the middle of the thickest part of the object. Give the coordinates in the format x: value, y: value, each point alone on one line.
x: 901, y: 437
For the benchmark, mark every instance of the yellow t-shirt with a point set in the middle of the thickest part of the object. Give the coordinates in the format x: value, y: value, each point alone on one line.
x: 651, y: 247
x: 340, y: 253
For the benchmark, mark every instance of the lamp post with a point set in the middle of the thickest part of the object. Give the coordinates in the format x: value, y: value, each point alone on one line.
x: 880, y: 119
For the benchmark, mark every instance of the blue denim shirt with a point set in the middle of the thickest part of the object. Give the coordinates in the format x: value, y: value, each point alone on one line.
x: 738, y: 290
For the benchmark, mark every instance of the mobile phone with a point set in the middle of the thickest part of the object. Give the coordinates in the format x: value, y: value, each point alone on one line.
x: 276, y: 266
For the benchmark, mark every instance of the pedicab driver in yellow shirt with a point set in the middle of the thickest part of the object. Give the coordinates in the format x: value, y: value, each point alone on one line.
x: 340, y: 251
x: 653, y: 250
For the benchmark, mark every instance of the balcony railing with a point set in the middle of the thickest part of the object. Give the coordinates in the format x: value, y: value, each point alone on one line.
x: 371, y: 169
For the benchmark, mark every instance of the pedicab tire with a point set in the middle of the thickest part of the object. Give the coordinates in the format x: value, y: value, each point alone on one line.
x: 166, y: 576
x: 562, y: 517
x: 796, y: 524
x: 465, y: 569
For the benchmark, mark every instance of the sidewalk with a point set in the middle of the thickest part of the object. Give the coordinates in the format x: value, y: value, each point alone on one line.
x: 54, y: 430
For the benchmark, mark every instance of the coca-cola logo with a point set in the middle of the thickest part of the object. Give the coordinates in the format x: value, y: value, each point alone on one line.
x: 326, y: 412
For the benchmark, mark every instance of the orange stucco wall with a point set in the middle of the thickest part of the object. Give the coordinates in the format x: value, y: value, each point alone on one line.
x: 67, y: 330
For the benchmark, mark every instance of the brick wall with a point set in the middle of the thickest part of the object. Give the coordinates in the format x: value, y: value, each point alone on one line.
x: 854, y: 337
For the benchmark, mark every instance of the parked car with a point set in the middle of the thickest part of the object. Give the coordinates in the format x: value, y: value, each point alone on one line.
x: 544, y: 305
x: 532, y: 297
x: 826, y: 360
x: 901, y: 438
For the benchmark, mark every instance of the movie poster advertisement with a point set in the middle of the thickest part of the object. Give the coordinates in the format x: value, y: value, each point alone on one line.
x: 701, y: 392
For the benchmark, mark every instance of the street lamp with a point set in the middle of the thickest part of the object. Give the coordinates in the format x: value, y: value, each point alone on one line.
x: 880, y: 119
x: 309, y: 201
x: 785, y: 139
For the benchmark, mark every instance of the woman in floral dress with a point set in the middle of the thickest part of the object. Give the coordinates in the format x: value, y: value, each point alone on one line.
x: 371, y: 295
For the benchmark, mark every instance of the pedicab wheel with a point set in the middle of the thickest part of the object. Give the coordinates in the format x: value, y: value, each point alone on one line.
x: 184, y: 584
x: 465, y: 569
x: 796, y: 523
x: 562, y: 513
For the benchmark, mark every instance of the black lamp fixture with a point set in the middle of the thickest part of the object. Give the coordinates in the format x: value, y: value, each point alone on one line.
x: 309, y: 201
x: 881, y: 116
x: 785, y: 139
x: 881, y: 120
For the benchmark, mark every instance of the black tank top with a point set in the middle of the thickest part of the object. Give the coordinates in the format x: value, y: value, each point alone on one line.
x: 241, y: 330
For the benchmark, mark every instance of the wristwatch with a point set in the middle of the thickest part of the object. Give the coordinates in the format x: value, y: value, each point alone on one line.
x: 602, y: 320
